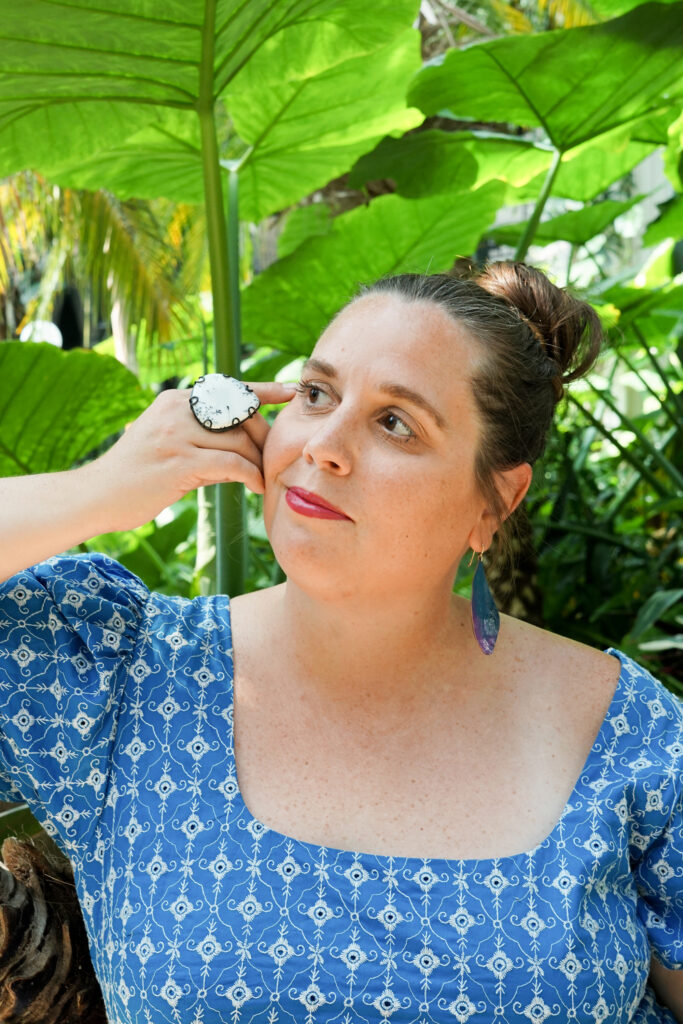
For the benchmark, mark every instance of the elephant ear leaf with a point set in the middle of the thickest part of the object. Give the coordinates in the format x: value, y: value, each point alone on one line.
x: 56, y: 407
x: 575, y: 84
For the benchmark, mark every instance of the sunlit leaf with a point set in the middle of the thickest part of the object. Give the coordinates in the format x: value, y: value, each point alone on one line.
x: 292, y: 301
x: 669, y: 224
x: 613, y: 8
x: 43, y: 388
x: 575, y: 84
x: 302, y: 223
x: 590, y: 168
x: 576, y: 226
x: 303, y: 133
x: 425, y: 163
x: 309, y: 84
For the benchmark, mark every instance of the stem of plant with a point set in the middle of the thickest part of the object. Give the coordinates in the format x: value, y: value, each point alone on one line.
x: 528, y: 236
x: 673, y: 397
x: 656, y: 484
x: 570, y: 261
x: 230, y: 508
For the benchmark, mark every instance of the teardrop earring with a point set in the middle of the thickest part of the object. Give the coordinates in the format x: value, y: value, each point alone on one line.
x: 485, y: 617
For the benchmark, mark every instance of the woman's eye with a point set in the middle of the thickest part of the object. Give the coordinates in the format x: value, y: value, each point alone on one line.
x: 311, y: 392
x: 314, y: 396
x: 395, y: 425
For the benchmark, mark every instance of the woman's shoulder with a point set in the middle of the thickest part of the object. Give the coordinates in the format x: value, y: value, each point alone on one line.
x: 571, y: 659
x: 586, y: 686
x: 92, y: 573
x: 560, y: 657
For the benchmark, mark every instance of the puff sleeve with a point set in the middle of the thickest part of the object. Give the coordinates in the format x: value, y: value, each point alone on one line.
x: 68, y: 629
x: 659, y: 864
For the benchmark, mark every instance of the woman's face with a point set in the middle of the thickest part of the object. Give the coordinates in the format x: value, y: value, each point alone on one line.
x: 384, y: 429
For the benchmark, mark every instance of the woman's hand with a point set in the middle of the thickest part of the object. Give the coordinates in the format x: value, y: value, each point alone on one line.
x: 162, y: 455
x: 165, y: 453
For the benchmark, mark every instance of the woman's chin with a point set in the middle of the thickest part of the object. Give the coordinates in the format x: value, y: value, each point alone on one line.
x: 319, y: 573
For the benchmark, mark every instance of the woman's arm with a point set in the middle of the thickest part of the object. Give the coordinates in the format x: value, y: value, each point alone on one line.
x: 45, y: 514
x: 161, y: 456
x: 668, y: 986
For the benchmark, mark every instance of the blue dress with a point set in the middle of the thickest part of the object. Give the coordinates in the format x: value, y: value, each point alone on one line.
x: 116, y: 727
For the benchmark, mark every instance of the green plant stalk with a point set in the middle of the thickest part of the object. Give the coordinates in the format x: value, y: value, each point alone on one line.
x: 232, y: 536
x: 230, y: 517
x: 565, y: 526
x: 528, y: 236
x: 570, y: 263
x: 638, y: 464
x: 665, y: 380
x: 656, y: 455
x: 579, y: 460
x: 670, y: 415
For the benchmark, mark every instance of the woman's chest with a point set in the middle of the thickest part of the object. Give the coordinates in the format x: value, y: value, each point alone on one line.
x: 448, y: 787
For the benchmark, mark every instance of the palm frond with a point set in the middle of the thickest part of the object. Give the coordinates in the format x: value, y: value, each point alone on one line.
x: 122, y: 252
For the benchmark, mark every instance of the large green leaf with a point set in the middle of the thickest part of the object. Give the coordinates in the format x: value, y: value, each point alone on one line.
x: 309, y: 84
x: 669, y: 224
x: 303, y: 133
x: 613, y: 8
x: 68, y: 70
x: 299, y: 135
x: 303, y: 222
x: 575, y: 83
x: 291, y: 302
x: 575, y: 226
x: 426, y: 163
x: 590, y: 168
x: 423, y: 164
x: 56, y: 407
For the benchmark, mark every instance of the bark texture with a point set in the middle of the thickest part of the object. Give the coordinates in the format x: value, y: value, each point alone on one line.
x: 46, y: 975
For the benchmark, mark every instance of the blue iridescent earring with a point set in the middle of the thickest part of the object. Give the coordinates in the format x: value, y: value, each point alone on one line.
x: 485, y: 617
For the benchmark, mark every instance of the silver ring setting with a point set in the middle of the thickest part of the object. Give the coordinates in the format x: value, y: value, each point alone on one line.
x: 220, y: 402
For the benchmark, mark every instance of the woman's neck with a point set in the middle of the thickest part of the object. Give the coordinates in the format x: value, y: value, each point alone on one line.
x: 345, y: 648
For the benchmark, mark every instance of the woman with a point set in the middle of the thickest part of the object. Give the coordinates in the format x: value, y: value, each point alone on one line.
x: 322, y: 801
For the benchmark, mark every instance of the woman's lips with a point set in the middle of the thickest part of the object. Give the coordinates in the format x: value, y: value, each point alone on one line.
x: 308, y: 504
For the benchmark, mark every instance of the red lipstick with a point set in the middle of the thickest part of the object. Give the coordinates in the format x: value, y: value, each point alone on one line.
x: 308, y: 504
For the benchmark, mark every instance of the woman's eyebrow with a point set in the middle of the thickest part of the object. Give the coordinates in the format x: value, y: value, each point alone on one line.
x: 389, y: 388
x: 320, y: 366
x: 401, y: 391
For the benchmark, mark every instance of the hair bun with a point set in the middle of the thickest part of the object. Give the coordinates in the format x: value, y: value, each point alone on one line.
x: 568, y: 329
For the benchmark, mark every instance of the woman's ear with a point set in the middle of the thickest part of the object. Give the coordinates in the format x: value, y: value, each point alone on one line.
x: 512, y: 485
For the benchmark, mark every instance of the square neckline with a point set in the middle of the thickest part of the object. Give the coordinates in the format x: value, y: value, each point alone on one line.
x: 337, y: 852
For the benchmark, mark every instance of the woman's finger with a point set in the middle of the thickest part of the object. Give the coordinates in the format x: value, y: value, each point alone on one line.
x: 272, y: 392
x: 257, y: 426
x: 216, y: 467
x: 237, y: 440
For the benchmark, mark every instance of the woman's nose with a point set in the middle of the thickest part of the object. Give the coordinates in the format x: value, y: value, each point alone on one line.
x: 328, y: 446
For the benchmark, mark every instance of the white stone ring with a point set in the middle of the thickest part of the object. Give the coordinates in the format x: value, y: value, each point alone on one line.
x: 220, y: 402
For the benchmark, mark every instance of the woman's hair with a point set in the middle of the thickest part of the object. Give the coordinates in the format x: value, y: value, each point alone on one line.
x: 46, y: 975
x: 534, y: 337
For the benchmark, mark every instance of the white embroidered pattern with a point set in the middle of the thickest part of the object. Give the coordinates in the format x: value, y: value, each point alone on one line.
x: 117, y: 728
